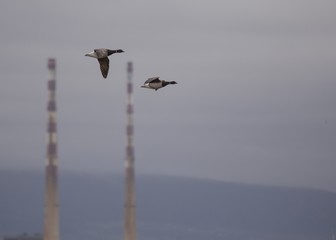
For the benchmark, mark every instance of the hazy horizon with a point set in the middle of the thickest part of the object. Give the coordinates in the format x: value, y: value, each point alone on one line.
x: 167, y: 207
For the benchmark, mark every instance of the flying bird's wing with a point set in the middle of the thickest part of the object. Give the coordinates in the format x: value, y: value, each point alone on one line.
x: 153, y: 79
x: 104, y: 66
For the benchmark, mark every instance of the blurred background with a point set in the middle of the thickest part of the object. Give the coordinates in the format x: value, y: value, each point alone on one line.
x: 254, y: 101
x: 254, y: 105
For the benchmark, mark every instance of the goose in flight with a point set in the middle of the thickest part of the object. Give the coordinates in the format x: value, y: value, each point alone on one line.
x: 155, y: 83
x: 102, y: 55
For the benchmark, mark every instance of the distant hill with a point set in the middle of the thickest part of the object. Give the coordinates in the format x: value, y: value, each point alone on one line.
x: 167, y: 208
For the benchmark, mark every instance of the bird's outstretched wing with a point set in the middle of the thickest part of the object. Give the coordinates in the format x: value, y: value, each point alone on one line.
x: 104, y: 66
x: 153, y: 79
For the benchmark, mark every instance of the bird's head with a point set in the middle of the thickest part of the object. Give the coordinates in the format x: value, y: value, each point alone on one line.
x: 173, y: 82
x: 120, y: 51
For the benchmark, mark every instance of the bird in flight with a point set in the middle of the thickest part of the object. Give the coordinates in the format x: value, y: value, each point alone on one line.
x: 155, y: 83
x: 102, y: 55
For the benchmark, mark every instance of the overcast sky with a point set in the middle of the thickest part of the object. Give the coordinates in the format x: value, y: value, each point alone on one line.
x: 255, y: 100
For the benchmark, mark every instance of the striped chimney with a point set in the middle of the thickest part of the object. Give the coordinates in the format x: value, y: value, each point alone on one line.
x: 51, y: 218
x: 130, y: 221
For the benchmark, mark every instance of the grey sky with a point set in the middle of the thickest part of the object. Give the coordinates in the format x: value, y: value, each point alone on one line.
x: 255, y: 100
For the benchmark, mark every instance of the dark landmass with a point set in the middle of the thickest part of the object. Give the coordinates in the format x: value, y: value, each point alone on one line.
x: 91, y: 207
